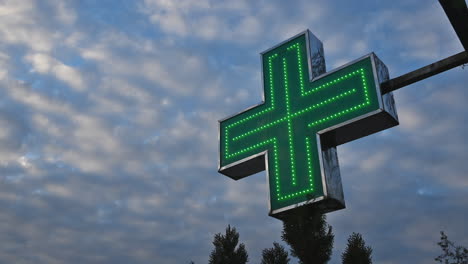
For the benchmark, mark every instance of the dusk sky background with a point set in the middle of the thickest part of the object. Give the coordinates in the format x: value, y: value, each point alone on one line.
x: 108, y: 139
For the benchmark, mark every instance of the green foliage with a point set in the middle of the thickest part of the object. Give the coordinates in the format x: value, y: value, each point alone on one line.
x: 451, y: 254
x: 356, y: 251
x: 275, y: 255
x: 309, y: 236
x: 225, y: 251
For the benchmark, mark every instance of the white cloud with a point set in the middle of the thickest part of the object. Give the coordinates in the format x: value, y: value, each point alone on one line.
x: 195, y: 18
x: 58, y: 190
x: 18, y: 25
x: 24, y: 95
x: 360, y: 47
x: 209, y: 27
x: 4, y: 65
x: 170, y: 15
x: 411, y: 118
x: 64, y: 13
x: 43, y: 123
x: 175, y: 71
x: 424, y: 33
x: 75, y: 39
x: 46, y: 64
x: 375, y: 162
x: 171, y: 22
x: 248, y: 28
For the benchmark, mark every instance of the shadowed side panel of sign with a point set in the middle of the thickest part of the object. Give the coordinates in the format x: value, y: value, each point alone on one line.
x: 242, y: 169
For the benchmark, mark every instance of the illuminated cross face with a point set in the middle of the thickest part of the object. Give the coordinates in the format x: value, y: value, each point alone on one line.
x: 293, y: 133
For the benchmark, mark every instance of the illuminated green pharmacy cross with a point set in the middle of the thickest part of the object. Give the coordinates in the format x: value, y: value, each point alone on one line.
x: 286, y: 124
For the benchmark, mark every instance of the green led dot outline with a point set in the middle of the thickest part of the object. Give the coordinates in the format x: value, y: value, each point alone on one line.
x: 289, y: 117
x: 350, y: 109
x: 289, y: 121
x: 270, y: 108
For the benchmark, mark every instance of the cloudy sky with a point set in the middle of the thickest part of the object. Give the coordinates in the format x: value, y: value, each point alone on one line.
x: 108, y: 140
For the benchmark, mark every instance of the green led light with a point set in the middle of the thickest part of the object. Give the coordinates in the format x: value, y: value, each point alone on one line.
x: 294, y: 111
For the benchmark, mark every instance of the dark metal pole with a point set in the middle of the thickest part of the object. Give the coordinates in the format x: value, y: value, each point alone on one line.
x: 457, y: 13
x: 424, y: 72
